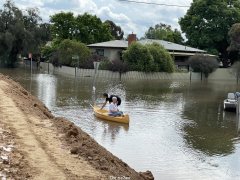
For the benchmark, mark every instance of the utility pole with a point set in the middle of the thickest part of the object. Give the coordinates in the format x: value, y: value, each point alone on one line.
x: 30, y: 57
x: 76, y: 57
x: 96, y: 65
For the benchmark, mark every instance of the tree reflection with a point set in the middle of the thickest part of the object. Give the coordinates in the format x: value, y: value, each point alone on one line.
x: 210, y: 131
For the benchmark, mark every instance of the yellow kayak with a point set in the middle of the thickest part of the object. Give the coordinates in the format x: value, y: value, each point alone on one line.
x: 103, y: 114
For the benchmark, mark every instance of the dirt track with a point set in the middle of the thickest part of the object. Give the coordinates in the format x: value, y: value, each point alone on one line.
x: 36, y: 145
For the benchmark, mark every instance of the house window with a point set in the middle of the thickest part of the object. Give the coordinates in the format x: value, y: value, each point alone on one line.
x: 100, y: 52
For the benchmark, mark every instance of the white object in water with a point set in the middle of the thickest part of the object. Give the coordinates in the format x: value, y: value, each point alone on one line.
x: 230, y: 102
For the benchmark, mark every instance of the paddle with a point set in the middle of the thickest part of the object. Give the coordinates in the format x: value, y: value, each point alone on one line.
x: 92, y: 105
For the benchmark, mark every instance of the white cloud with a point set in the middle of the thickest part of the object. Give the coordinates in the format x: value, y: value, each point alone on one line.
x: 86, y: 5
x: 46, y: 13
x: 24, y: 3
x: 131, y: 28
x: 105, y: 12
x: 145, y: 15
x: 132, y: 17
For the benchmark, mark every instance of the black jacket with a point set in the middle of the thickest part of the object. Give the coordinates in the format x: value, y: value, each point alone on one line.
x: 110, y: 99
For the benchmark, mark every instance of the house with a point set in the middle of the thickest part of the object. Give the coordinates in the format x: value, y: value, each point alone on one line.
x: 113, y: 49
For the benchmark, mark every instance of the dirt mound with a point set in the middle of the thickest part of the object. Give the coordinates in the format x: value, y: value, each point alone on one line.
x: 74, y: 139
x: 82, y: 144
x: 12, y: 161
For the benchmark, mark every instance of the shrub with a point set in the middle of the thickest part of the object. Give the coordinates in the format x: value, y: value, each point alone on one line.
x: 148, y: 58
x: 63, y: 53
x: 138, y: 58
x: 162, y: 59
x: 69, y: 48
x: 118, y: 66
x: 204, y: 64
x: 105, y: 64
x: 54, y: 59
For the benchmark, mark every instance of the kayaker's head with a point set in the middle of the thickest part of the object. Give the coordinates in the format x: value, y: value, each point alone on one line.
x: 114, y: 99
x: 105, y: 95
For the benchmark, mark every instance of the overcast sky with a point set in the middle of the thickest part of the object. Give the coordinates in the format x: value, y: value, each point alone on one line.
x: 132, y: 17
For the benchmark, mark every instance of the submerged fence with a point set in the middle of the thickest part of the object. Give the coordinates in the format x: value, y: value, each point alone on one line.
x: 219, y: 74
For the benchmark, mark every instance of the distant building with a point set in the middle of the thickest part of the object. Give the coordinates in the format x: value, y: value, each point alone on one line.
x: 113, y: 49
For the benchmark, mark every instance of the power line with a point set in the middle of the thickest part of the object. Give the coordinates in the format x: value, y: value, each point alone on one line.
x: 152, y: 3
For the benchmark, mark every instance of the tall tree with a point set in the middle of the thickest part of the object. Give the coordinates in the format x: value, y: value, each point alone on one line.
x: 116, y: 31
x: 45, y: 31
x: 234, y: 35
x: 85, y: 28
x: 37, y: 33
x: 92, y: 29
x: 63, y: 25
x: 206, y: 24
x: 164, y: 32
x: 19, y: 33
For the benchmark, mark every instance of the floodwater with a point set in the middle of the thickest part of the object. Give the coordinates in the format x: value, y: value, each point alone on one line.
x: 178, y: 129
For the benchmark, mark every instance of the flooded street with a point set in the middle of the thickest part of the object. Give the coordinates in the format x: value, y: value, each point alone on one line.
x: 177, y: 129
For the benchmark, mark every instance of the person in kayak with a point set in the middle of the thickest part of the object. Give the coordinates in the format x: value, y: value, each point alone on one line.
x: 109, y: 99
x: 113, y: 108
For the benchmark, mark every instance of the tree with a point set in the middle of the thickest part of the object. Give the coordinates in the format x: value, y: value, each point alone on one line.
x: 92, y: 29
x: 116, y: 31
x: 69, y: 48
x: 49, y: 50
x: 138, y: 58
x: 234, y: 47
x: 37, y: 33
x: 85, y: 28
x: 207, y: 23
x: 234, y: 34
x: 45, y: 32
x: 204, y: 64
x: 19, y: 33
x: 148, y: 58
x: 164, y: 32
x: 63, y: 26
x: 163, y: 61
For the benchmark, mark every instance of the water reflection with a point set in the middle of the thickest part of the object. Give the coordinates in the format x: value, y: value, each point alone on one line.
x: 177, y: 129
x: 206, y: 132
x: 85, y: 118
x: 74, y: 91
x: 148, y: 87
x: 112, y: 129
x: 238, y: 125
x: 46, y: 87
